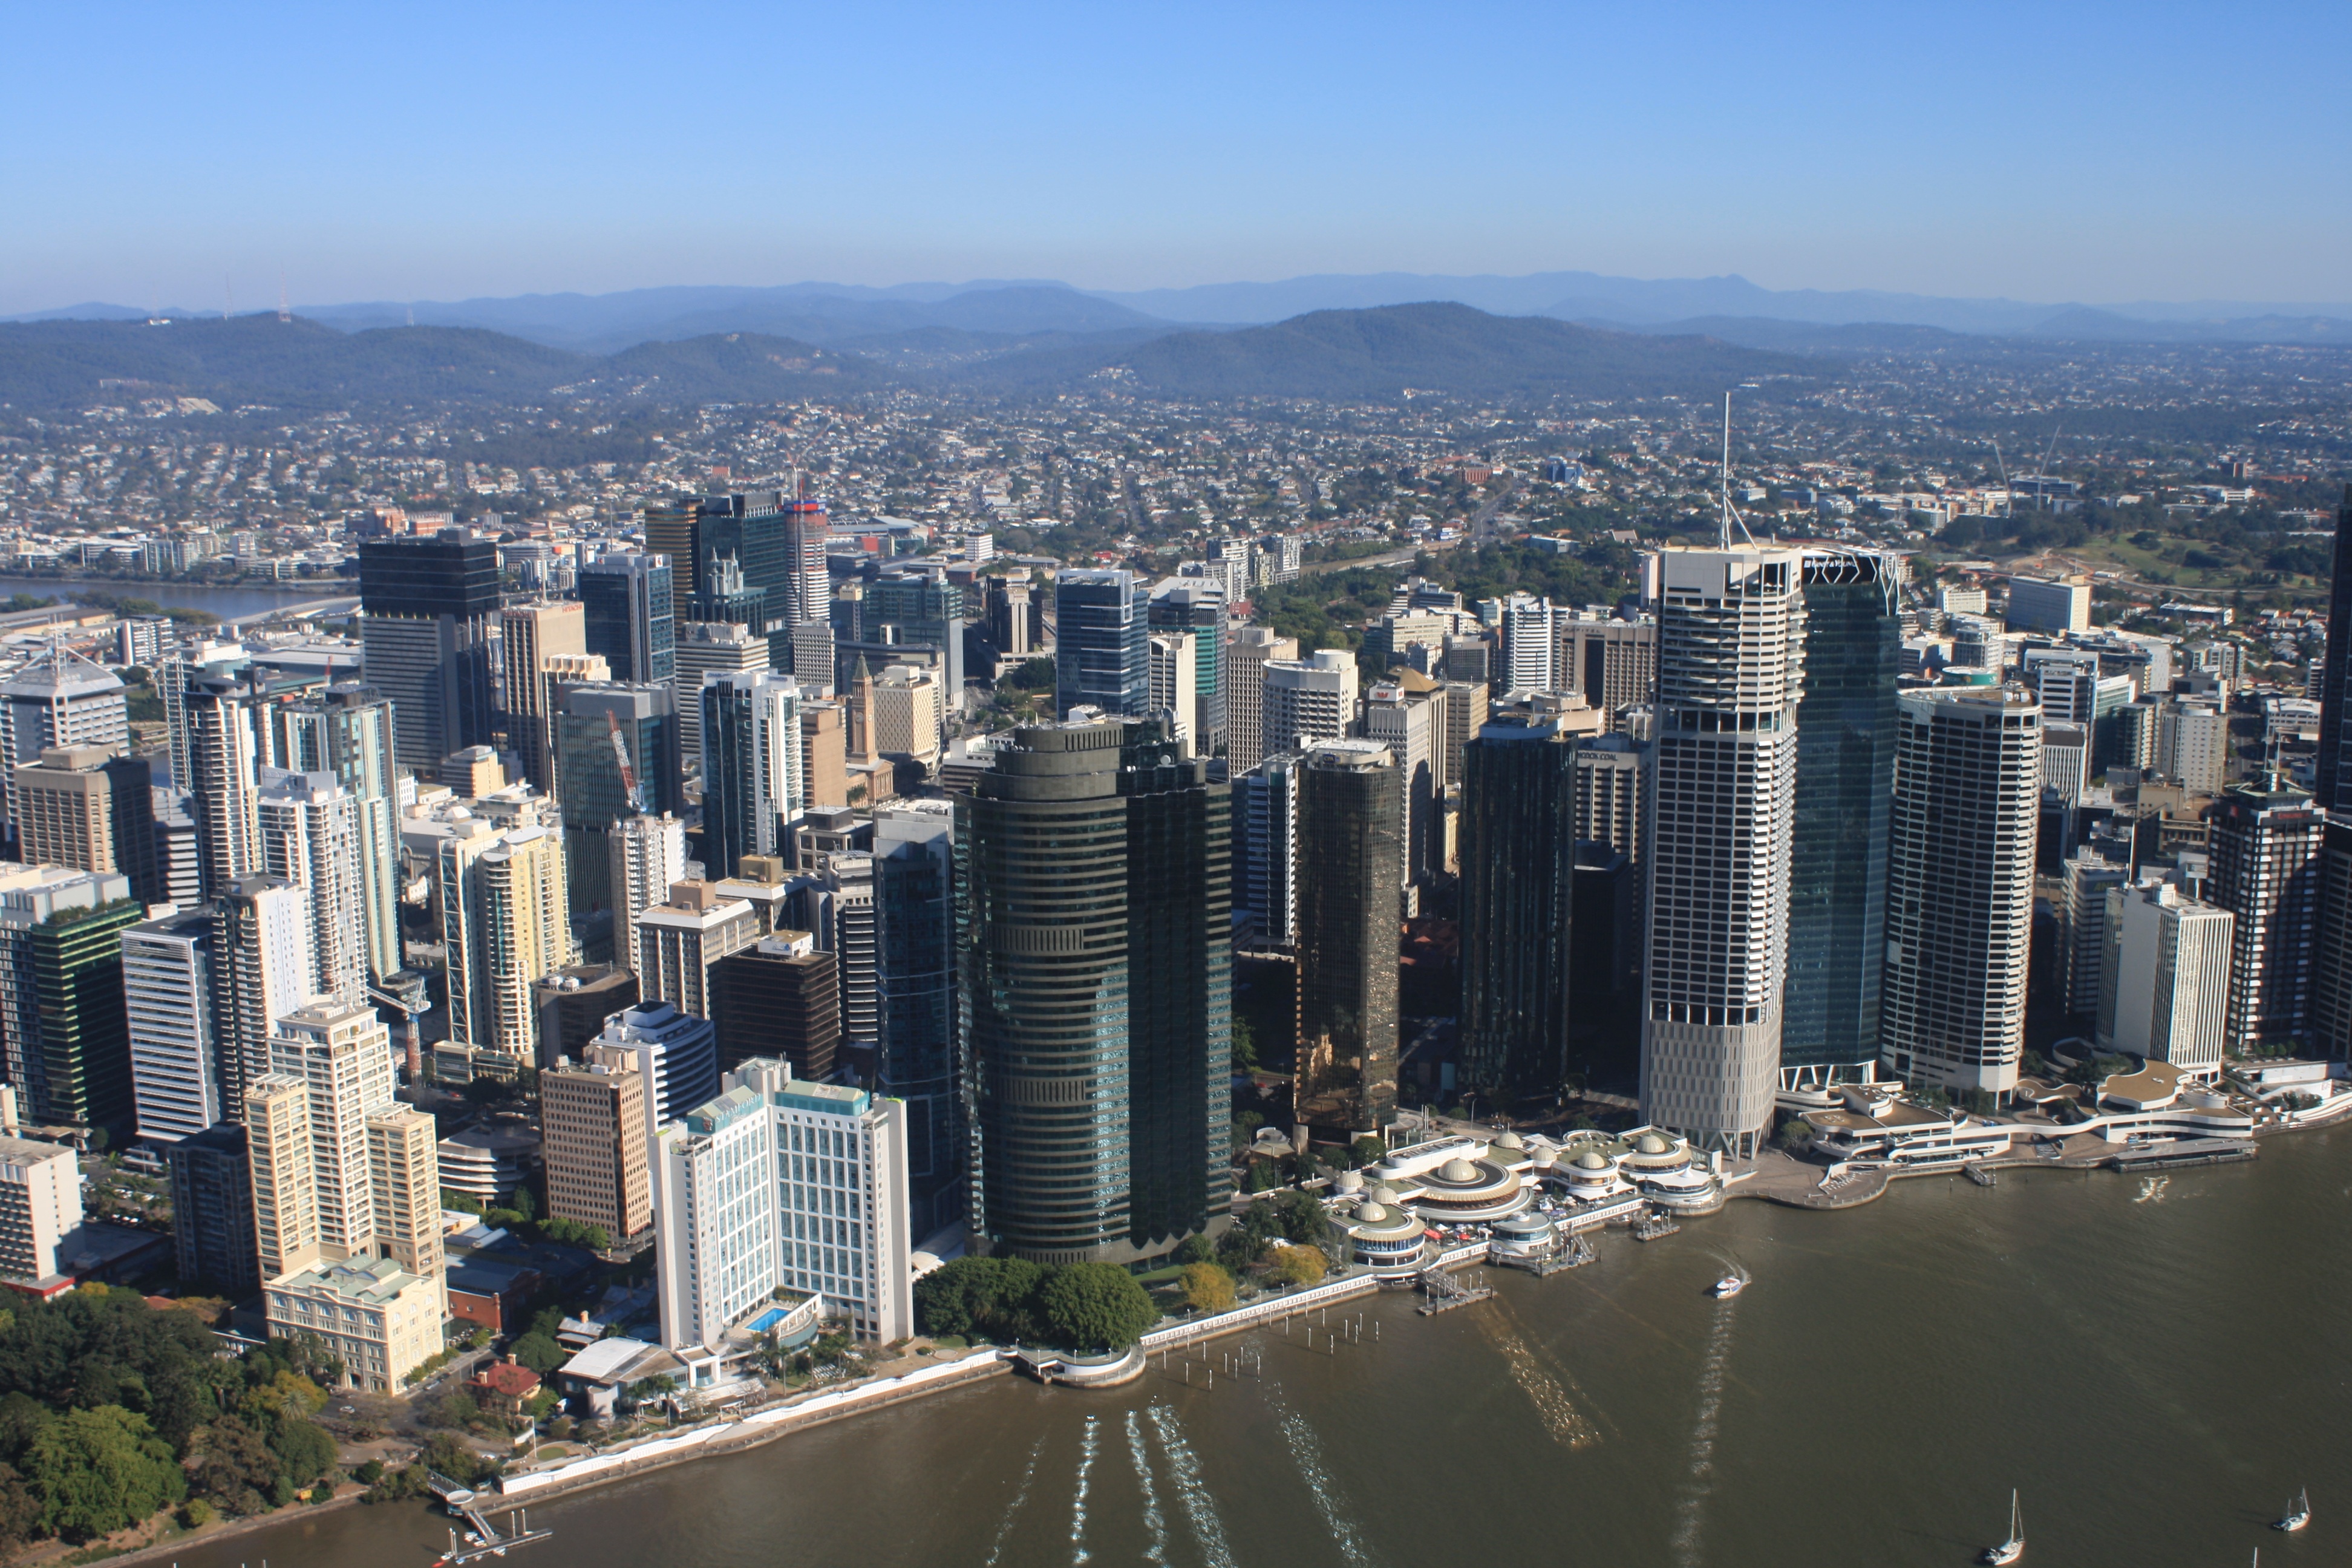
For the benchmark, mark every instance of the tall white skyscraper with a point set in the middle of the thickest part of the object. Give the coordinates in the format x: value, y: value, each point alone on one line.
x: 167, y: 995
x: 648, y: 855
x: 348, y: 732
x: 1731, y: 639
x: 1960, y: 896
x: 1247, y: 653
x: 1309, y: 700
x: 781, y: 1184
x: 222, y: 779
x: 310, y: 831
x: 2168, y: 1000
x: 263, y: 949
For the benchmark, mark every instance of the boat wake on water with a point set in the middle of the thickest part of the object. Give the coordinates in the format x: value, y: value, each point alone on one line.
x: 1557, y: 1412
x: 1308, y: 1454
x: 2151, y: 1189
x: 1153, y: 1520
x: 1004, y: 1527
x: 1199, y: 1507
x: 1078, y: 1506
x: 1690, y: 1507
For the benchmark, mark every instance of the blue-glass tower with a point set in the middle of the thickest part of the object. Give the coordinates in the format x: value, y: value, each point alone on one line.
x: 1845, y: 790
x: 1103, y: 643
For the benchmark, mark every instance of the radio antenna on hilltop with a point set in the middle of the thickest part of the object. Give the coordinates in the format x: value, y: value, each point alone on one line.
x: 228, y: 298
x: 283, y: 313
x: 1730, y: 512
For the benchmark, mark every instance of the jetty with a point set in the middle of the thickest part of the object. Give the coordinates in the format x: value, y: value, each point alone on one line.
x: 1441, y: 1292
x: 482, y: 1538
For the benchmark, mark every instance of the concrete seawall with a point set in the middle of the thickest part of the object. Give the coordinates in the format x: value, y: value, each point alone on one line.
x: 761, y: 1427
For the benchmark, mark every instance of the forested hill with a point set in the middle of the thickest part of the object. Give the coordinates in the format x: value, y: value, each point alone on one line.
x: 1382, y: 354
x: 1378, y: 354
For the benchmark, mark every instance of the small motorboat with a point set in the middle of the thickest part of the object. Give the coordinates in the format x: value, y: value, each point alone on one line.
x: 2011, y: 1550
x: 2298, y: 1511
x: 1730, y: 1285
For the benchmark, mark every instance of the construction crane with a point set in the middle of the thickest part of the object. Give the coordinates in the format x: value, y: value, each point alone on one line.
x: 628, y: 773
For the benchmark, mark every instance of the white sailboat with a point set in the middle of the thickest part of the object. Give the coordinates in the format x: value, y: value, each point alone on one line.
x: 2298, y: 1511
x: 2011, y: 1550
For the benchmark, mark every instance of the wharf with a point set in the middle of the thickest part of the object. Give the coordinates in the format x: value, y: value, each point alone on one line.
x: 2186, y: 1152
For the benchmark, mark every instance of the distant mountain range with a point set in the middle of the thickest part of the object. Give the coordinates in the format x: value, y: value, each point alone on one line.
x: 1344, y: 355
x: 837, y: 314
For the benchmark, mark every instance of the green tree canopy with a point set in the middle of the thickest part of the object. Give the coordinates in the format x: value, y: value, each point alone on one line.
x: 539, y: 1352
x: 1096, y: 1306
x: 100, y: 1471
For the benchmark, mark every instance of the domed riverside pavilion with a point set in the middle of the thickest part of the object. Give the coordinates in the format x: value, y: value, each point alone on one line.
x: 1384, y: 1237
x: 1466, y: 1191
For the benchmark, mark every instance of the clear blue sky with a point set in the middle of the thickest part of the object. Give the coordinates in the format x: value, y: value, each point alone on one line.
x: 422, y: 151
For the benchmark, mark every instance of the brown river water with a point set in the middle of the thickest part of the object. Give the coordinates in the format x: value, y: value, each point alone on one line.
x: 2154, y: 1363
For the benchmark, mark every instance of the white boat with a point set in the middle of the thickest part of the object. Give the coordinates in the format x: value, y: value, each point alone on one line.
x: 1730, y: 1285
x: 2011, y: 1550
x: 2298, y: 1511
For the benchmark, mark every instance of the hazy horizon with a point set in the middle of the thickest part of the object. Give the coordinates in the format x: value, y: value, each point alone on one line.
x: 2086, y: 155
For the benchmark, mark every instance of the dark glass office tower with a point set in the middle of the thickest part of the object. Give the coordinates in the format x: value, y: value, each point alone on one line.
x: 914, y: 1058
x: 1350, y: 867
x: 920, y: 608
x: 776, y: 542
x: 1847, y: 731
x: 1103, y: 657
x: 601, y: 725
x: 2333, y: 788
x: 1095, y: 992
x: 426, y: 608
x: 1517, y: 844
x: 630, y: 615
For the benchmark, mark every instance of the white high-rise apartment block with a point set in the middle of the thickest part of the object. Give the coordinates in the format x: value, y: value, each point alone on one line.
x: 2192, y: 744
x: 648, y: 856
x: 504, y: 927
x: 40, y: 1206
x: 1731, y: 650
x: 2059, y: 605
x: 1530, y: 644
x: 311, y: 837
x: 167, y: 996
x: 1174, y: 683
x: 1309, y: 700
x: 2169, y: 997
x: 1247, y: 653
x: 779, y: 1183
x: 705, y: 648
x: 262, y: 944
x: 777, y: 775
x: 1960, y: 898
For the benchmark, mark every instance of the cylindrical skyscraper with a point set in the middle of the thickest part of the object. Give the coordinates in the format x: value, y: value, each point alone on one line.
x: 1095, y: 992
x: 1350, y: 862
x: 1731, y: 628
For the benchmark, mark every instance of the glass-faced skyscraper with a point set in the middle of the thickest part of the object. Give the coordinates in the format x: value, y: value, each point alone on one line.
x: 776, y: 542
x: 1731, y: 653
x: 914, y: 1057
x: 1103, y: 657
x: 425, y: 606
x: 2333, y: 779
x: 1350, y: 865
x: 1095, y: 992
x: 1518, y: 840
x: 631, y: 614
x: 1845, y: 782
